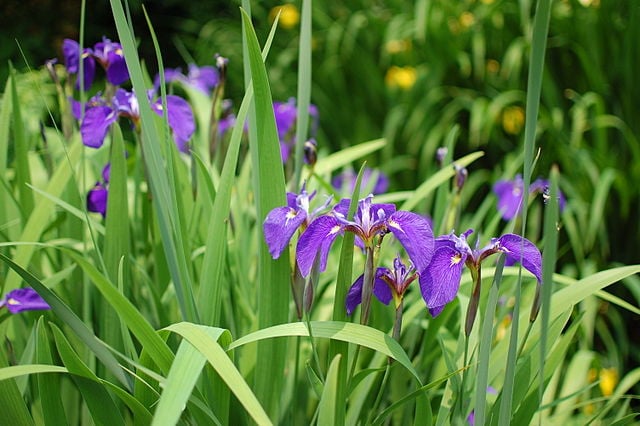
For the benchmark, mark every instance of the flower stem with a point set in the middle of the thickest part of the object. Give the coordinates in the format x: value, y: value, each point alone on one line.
x: 367, y: 285
x: 472, y: 309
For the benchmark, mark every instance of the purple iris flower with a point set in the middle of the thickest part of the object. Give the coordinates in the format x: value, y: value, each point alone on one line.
x: 23, y: 299
x: 99, y: 118
x: 73, y: 56
x: 371, y: 220
x: 439, y: 282
x: 388, y: 284
x: 205, y: 78
x: 111, y: 56
x: 509, y: 193
x: 347, y: 179
x: 286, y: 116
x: 282, y: 222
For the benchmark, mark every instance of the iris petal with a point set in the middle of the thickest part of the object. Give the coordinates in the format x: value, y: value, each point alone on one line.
x: 415, y: 234
x: 509, y: 195
x: 440, y: 281
x: 519, y: 249
x: 95, y: 125
x: 380, y: 289
x: 279, y: 226
x: 318, y: 237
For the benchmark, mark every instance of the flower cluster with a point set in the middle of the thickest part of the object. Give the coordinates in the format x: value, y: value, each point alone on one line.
x: 510, y: 195
x: 107, y: 54
x: 436, y: 262
x: 102, y: 113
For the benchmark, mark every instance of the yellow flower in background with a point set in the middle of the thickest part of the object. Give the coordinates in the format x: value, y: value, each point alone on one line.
x: 513, y: 119
x: 608, y: 380
x: 397, y: 46
x: 402, y: 77
x: 467, y: 19
x: 493, y: 66
x: 289, y: 15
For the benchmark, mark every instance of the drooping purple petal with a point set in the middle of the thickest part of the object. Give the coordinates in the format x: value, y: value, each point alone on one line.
x: 180, y: 119
x: 318, y: 237
x: 95, y: 125
x: 509, y: 195
x: 440, y: 281
x: 111, y: 57
x: 117, y: 72
x: 72, y: 56
x: 279, y: 226
x: 97, y: 199
x: 415, y: 234
x: 519, y: 249
x: 380, y: 289
x: 24, y: 299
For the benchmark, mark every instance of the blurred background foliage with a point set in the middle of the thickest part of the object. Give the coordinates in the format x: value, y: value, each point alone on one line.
x: 411, y: 71
x: 424, y: 74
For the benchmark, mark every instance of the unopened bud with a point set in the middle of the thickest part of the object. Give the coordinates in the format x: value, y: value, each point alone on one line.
x: 461, y: 176
x: 441, y: 153
x: 311, y: 152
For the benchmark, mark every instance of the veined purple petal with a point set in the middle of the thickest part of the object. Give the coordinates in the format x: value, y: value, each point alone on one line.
x: 318, y: 237
x: 380, y: 289
x: 24, y: 299
x: 415, y: 234
x: 95, y: 125
x: 440, y: 281
x: 519, y: 249
x: 279, y: 226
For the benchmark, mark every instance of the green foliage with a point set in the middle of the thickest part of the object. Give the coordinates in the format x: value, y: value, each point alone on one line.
x: 171, y: 309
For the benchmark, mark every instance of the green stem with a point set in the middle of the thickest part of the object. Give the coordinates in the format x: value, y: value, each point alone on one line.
x: 367, y: 286
x: 472, y: 309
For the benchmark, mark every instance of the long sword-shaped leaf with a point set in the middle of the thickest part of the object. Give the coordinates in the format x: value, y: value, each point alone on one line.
x: 165, y: 201
x: 211, y: 283
x: 71, y: 319
x: 343, y: 331
x: 269, y: 186
x: 534, y: 85
x: 206, y: 341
